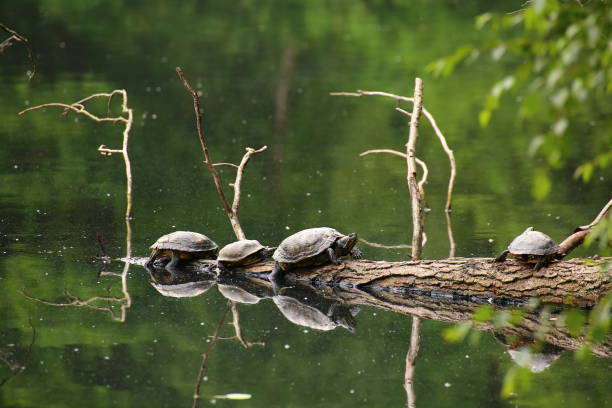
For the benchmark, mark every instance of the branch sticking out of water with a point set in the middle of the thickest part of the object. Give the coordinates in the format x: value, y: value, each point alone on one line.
x: 231, y: 210
x: 434, y: 125
x: 15, y: 36
x: 79, y: 108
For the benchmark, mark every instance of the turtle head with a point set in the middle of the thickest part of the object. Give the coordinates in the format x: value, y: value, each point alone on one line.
x: 345, y: 245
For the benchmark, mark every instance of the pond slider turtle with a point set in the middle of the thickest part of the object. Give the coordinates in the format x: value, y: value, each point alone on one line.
x: 313, y: 246
x: 170, y: 249
x: 242, y: 253
x: 532, y: 247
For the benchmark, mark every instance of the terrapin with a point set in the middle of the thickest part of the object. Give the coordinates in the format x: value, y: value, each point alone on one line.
x: 243, y: 253
x: 313, y: 246
x: 172, y: 248
x: 532, y: 247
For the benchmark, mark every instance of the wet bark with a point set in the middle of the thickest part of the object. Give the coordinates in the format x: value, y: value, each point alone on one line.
x: 577, y: 282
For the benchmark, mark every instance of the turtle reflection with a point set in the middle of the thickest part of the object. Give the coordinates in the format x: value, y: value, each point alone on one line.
x: 304, y: 306
x: 187, y: 284
x: 527, y: 353
x: 243, y: 289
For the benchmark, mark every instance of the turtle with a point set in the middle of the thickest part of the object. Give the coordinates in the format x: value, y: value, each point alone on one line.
x: 313, y: 246
x: 242, y: 253
x: 170, y: 249
x: 532, y: 247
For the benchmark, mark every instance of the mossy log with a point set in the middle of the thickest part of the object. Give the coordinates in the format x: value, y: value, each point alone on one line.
x: 579, y: 282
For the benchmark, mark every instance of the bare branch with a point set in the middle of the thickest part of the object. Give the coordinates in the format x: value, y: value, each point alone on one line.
x: 420, y: 162
x: 226, y: 164
x: 377, y: 245
x: 601, y: 214
x: 429, y: 116
x: 79, y: 108
x: 232, y: 211
x: 237, y: 184
x: 18, y: 37
x: 413, y: 187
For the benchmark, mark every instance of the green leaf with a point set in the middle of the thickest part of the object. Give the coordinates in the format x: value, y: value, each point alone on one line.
x: 457, y: 333
x: 483, y: 314
x: 484, y: 117
x: 483, y: 19
x: 574, y: 321
x: 559, y: 127
x: 541, y: 184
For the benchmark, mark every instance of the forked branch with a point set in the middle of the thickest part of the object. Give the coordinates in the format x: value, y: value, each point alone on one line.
x: 15, y: 36
x: 231, y: 210
x: 434, y: 125
x: 79, y: 108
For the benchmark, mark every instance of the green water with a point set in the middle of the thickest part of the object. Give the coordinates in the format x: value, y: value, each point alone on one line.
x: 265, y: 70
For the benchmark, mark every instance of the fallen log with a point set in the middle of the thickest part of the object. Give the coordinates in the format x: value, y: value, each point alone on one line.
x: 579, y: 282
x: 576, y: 282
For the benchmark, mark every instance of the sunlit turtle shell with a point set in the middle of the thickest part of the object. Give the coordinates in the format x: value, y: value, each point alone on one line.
x: 181, y: 245
x: 186, y: 241
x: 304, y: 246
x: 532, y: 242
x: 244, y: 252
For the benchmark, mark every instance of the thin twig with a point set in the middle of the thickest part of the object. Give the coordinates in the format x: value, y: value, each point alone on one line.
x: 205, y: 355
x: 420, y: 162
x: 18, y: 37
x: 238, y: 182
x: 429, y: 116
x: 377, y: 245
x: 601, y: 214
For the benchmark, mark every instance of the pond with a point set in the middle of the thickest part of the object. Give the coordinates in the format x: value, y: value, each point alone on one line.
x: 265, y: 72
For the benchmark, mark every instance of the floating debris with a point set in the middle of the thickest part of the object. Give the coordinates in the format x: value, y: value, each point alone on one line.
x: 234, y: 396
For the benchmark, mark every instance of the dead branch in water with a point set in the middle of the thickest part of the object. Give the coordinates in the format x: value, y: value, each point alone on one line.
x: 434, y: 125
x: 231, y: 210
x: 415, y: 194
x: 15, y: 36
x: 79, y: 108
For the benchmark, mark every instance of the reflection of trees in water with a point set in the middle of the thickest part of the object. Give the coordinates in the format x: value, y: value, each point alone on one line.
x: 8, y: 359
x: 102, y: 303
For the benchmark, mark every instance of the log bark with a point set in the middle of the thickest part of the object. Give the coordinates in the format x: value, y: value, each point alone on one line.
x: 579, y: 282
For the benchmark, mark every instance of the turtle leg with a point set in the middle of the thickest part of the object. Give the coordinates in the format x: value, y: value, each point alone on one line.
x: 276, y: 277
x: 502, y: 256
x: 332, y: 256
x: 356, y: 253
x: 542, y: 262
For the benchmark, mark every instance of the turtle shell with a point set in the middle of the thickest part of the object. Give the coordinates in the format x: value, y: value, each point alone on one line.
x: 305, y: 244
x: 239, y: 250
x: 186, y: 241
x: 533, y: 242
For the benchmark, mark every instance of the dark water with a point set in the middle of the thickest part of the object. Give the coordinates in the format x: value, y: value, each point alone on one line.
x: 265, y: 71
